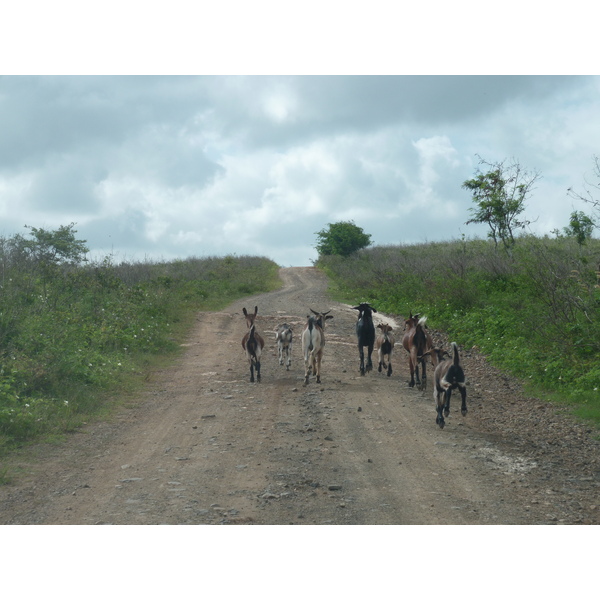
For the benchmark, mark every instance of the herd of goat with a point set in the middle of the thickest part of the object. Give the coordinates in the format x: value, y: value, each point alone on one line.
x: 448, y: 372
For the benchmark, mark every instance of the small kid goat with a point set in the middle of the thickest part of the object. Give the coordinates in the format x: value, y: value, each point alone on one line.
x: 283, y: 337
x: 385, y: 346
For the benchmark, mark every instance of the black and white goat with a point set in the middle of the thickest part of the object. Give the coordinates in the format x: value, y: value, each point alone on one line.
x: 448, y: 376
x: 365, y: 333
x: 283, y: 337
x: 253, y: 343
x: 385, y: 346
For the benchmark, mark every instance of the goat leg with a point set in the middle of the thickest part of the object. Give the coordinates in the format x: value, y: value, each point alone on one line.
x: 440, y: 419
x: 369, y: 360
x: 362, y: 360
x: 447, y: 402
x: 463, y: 394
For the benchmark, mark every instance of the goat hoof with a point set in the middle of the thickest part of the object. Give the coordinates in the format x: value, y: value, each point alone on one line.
x: 446, y: 412
x: 464, y: 412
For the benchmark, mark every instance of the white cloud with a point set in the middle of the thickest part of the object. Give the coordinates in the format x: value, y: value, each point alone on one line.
x: 182, y: 166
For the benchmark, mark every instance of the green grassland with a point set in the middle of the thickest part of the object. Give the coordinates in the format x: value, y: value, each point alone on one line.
x: 534, y: 312
x: 75, y: 337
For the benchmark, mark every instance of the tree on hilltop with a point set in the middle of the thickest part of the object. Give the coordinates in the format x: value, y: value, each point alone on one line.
x: 499, y: 196
x: 342, y: 238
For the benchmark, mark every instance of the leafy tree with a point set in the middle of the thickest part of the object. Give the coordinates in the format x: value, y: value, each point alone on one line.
x: 55, y: 247
x: 499, y: 195
x: 342, y: 238
x: 51, y: 249
x: 589, y: 194
x: 580, y: 227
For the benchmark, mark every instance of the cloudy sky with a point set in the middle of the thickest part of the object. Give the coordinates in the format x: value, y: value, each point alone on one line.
x: 178, y: 166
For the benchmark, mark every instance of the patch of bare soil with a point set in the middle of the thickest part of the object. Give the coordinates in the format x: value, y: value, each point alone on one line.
x: 202, y: 445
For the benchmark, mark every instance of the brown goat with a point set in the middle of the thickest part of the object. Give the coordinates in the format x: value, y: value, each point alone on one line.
x: 253, y: 343
x: 417, y: 342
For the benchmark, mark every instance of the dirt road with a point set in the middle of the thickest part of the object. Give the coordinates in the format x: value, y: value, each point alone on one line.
x: 202, y: 445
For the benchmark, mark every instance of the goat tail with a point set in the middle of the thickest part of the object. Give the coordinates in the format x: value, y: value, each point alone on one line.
x: 455, y: 354
x: 422, y: 321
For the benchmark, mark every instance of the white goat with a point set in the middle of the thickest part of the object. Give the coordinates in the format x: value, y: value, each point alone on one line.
x: 313, y: 342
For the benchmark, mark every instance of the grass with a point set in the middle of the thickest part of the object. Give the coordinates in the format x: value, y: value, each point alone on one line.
x: 72, y: 343
x: 535, y: 313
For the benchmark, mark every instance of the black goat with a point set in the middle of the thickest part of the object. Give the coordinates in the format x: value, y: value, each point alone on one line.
x: 365, y: 333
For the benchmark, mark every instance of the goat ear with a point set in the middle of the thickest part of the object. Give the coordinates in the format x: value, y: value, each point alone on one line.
x: 329, y: 317
x: 245, y: 311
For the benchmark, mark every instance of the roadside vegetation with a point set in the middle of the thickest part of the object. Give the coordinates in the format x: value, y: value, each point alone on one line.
x: 75, y: 335
x: 530, y: 304
x: 533, y: 311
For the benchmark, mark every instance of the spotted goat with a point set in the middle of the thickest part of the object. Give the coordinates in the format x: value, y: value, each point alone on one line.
x: 284, y: 338
x: 313, y: 342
